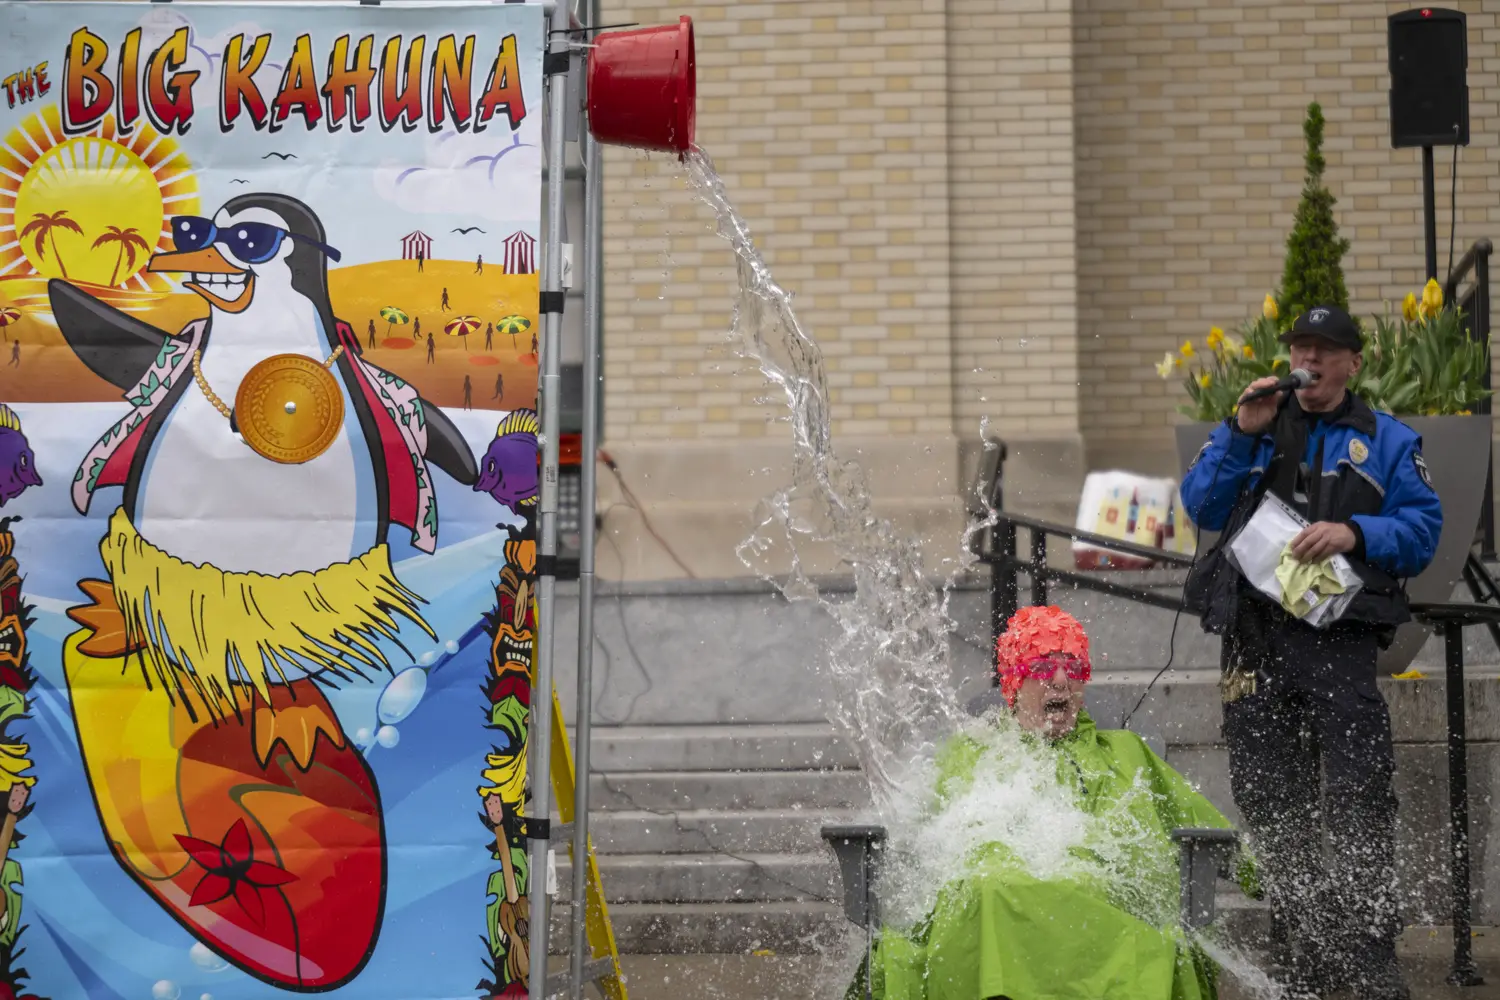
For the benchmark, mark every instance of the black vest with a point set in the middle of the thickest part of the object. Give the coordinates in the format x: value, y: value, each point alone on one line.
x: 1214, y: 589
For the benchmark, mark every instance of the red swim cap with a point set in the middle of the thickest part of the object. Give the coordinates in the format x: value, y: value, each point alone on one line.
x: 1033, y: 633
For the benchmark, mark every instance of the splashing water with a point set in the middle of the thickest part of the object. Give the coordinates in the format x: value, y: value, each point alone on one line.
x: 889, y: 664
x: 1015, y: 805
x: 894, y: 696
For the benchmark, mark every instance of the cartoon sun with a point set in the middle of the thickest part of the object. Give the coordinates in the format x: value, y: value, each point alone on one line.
x: 90, y: 208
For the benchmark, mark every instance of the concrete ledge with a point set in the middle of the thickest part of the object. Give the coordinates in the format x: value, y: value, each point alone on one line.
x: 671, y: 791
x: 714, y: 878
x: 787, y: 747
x: 787, y: 928
x: 795, y: 831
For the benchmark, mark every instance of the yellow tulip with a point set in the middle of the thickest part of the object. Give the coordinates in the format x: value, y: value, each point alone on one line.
x: 1165, y: 368
x: 1268, y: 309
x: 1215, y: 337
x: 1205, y: 380
x: 1187, y: 349
x: 1409, y: 307
x: 1248, y: 352
x: 1432, y: 298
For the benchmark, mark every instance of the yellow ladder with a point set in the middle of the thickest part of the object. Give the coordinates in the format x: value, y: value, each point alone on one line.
x: 603, y: 964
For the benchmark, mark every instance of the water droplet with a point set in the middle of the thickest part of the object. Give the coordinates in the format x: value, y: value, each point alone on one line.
x: 402, y: 695
x: 165, y: 989
x: 388, y: 736
x: 1024, y: 341
x: 204, y: 958
x: 451, y: 646
x: 363, y: 737
x: 428, y: 658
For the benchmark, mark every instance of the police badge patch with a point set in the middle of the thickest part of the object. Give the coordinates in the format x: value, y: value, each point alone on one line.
x: 1421, y: 465
x: 1358, y: 451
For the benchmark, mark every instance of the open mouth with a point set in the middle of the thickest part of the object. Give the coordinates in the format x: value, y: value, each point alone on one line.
x: 230, y: 292
x: 1058, y: 705
x: 515, y: 651
x: 224, y: 285
x: 11, y: 643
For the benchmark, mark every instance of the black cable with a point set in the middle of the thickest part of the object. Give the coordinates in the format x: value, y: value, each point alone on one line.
x: 1177, y: 617
x: 1452, y: 211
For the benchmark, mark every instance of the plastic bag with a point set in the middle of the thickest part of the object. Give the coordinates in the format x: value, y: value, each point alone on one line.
x: 1132, y: 508
x: 1256, y: 553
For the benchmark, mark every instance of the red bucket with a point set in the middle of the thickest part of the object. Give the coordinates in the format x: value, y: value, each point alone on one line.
x: 643, y: 87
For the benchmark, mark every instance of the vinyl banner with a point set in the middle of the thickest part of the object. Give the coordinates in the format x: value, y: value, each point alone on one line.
x: 268, y: 468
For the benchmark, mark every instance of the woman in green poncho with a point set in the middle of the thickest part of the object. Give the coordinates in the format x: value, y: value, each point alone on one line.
x: 1102, y: 924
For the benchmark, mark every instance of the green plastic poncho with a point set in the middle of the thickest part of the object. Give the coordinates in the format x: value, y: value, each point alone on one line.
x: 1000, y: 932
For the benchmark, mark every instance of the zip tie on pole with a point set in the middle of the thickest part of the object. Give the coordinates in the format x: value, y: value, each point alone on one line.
x: 551, y: 302
x: 554, y: 63
x: 546, y: 565
x: 598, y: 27
x: 536, y: 828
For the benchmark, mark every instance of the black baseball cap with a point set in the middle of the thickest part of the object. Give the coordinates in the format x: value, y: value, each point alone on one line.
x: 1328, y: 323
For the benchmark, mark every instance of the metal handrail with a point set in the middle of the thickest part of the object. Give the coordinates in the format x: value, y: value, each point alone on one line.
x: 1006, y: 564
x: 1477, y: 255
x: 1098, y: 541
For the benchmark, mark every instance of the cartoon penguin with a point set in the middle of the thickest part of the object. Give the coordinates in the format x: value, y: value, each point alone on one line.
x: 261, y: 265
x: 232, y: 576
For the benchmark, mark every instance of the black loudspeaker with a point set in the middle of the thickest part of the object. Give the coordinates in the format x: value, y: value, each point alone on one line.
x: 1429, y: 50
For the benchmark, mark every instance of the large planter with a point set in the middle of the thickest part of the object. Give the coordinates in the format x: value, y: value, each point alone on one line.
x: 1457, y: 451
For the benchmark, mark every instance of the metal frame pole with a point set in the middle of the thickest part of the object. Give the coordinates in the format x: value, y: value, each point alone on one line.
x: 1481, y: 329
x: 1429, y: 211
x: 593, y: 287
x: 1463, y: 972
x: 539, y: 742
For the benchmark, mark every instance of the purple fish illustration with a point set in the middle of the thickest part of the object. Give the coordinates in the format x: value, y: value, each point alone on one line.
x: 508, y: 471
x: 17, y: 463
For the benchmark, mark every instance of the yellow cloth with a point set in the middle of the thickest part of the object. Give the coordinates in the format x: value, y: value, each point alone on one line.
x: 216, y: 628
x: 1299, y: 579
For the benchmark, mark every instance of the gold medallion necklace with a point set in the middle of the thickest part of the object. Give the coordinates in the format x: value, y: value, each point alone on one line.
x: 288, y: 407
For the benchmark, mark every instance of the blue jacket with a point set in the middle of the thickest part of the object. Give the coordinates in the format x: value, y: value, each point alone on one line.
x: 1374, y: 478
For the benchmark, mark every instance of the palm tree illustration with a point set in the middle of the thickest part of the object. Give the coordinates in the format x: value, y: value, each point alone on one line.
x: 44, y: 227
x: 128, y: 240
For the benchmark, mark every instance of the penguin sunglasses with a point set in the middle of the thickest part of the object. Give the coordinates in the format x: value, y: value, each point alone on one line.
x: 251, y: 242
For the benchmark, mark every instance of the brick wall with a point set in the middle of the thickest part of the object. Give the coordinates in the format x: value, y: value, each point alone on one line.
x: 1015, y: 331
x: 826, y: 120
x: 828, y: 123
x: 1189, y: 163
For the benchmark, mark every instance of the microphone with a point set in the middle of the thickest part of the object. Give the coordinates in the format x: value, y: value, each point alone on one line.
x: 1300, y: 378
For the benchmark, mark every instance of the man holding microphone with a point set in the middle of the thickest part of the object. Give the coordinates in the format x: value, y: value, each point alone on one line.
x: 1301, y: 705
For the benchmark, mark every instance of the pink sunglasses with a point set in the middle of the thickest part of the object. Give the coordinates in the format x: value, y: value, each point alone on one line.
x: 1043, y: 667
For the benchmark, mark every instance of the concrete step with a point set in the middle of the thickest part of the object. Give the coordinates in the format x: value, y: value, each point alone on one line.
x: 791, y: 747
x: 787, y: 928
x: 802, y: 927
x: 671, y: 791
x: 792, y: 831
x: 713, y: 878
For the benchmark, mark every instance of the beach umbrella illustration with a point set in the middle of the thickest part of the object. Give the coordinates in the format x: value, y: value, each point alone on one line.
x: 7, y: 317
x: 513, y: 325
x: 462, y: 326
x: 392, y: 316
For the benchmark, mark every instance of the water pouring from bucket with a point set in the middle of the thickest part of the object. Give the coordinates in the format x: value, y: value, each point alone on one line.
x: 1061, y: 827
x: 1025, y: 821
